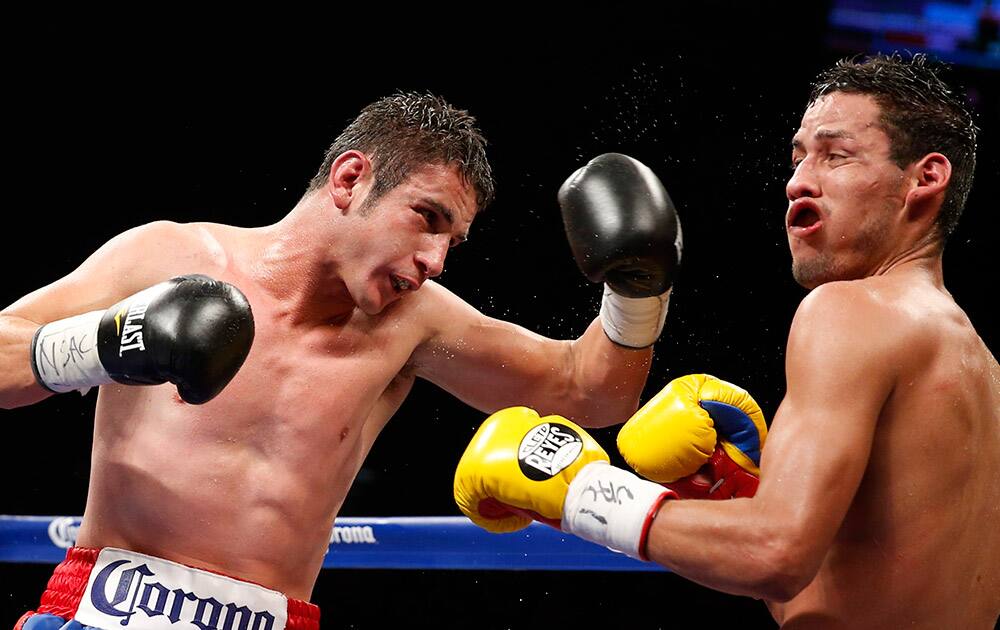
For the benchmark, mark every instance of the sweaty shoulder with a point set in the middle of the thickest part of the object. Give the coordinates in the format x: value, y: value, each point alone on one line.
x: 842, y: 305
x: 129, y: 262
x: 868, y: 321
x: 186, y: 245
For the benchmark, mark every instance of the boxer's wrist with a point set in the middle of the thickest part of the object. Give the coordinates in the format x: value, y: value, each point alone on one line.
x: 633, y: 322
x: 64, y: 354
x: 612, y: 507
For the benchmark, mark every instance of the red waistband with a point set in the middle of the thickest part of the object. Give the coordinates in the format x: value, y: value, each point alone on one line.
x: 69, y: 581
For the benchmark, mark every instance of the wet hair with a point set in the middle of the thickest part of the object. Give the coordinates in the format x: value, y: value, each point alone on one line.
x: 407, y: 131
x: 920, y: 113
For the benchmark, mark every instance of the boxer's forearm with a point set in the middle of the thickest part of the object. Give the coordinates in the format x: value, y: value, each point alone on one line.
x: 608, y: 378
x: 737, y: 546
x: 17, y: 382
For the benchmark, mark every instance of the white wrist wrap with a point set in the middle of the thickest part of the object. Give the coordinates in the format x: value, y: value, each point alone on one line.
x: 611, y: 507
x: 633, y: 322
x: 64, y: 354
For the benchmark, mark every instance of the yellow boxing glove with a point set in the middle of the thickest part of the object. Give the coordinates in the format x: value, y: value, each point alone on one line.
x: 520, y: 467
x: 695, y: 421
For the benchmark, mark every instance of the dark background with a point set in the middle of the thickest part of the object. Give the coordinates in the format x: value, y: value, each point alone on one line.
x: 109, y: 133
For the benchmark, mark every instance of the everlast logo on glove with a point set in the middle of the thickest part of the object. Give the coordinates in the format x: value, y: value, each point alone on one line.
x: 548, y: 449
x: 131, y: 332
x: 146, y: 593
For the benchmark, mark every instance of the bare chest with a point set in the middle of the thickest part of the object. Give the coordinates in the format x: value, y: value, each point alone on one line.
x: 328, y: 376
x: 300, y: 391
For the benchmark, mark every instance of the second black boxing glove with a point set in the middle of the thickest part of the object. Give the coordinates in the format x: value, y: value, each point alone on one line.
x: 623, y: 230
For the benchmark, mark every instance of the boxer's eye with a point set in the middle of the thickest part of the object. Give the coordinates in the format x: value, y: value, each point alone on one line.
x: 428, y: 215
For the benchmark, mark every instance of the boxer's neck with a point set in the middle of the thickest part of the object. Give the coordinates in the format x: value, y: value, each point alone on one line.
x: 296, y: 261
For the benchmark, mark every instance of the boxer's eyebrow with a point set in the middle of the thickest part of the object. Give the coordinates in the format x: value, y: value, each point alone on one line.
x: 441, y: 209
x: 825, y: 134
x: 830, y: 134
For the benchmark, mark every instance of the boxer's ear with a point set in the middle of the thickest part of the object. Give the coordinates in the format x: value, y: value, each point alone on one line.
x: 931, y: 175
x: 350, y: 177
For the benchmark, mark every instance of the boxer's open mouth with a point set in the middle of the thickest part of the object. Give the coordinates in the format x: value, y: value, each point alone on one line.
x: 399, y: 284
x: 803, y: 218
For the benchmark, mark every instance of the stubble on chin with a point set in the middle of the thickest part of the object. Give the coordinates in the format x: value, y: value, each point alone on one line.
x: 824, y: 267
x: 812, y: 273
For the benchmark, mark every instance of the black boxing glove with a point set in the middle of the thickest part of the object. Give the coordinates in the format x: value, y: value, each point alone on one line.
x: 192, y: 331
x: 623, y: 230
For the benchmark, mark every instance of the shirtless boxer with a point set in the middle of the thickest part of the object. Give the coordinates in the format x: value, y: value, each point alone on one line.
x: 878, y: 500
x: 248, y: 484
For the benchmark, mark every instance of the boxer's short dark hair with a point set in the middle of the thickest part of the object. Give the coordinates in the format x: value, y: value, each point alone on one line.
x: 407, y: 131
x: 920, y: 113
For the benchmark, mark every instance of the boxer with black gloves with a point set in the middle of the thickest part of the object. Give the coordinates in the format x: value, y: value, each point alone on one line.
x: 346, y: 316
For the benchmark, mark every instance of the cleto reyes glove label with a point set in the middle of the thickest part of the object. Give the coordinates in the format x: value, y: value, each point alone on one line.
x: 547, y: 449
